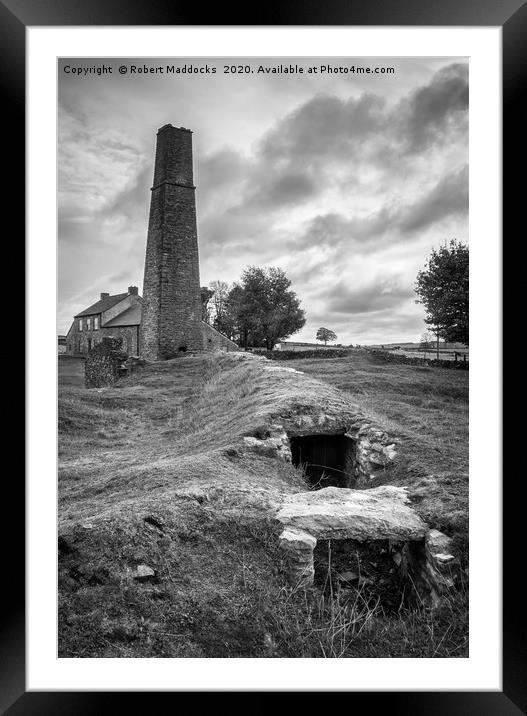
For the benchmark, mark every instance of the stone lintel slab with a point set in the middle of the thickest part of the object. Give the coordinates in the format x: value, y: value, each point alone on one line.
x: 362, y: 515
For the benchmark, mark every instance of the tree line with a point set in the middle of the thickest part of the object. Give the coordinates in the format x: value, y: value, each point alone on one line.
x: 262, y: 309
x: 257, y: 311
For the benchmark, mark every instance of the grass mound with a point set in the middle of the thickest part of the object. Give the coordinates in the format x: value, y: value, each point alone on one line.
x: 154, y: 471
x: 427, y: 408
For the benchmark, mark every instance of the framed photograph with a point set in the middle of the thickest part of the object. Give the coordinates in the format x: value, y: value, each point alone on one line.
x: 252, y: 461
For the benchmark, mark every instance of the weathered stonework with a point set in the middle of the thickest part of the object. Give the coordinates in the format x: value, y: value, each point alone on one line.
x: 104, y: 363
x: 383, y: 514
x: 213, y: 340
x: 274, y: 443
x: 171, y: 317
x: 119, y: 320
x: 85, y: 341
x: 375, y: 450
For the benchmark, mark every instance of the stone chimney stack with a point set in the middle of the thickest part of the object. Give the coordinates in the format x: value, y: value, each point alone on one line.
x: 104, y: 295
x: 171, y: 313
x: 133, y: 291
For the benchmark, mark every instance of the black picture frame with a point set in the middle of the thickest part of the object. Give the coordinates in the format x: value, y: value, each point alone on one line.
x: 15, y: 16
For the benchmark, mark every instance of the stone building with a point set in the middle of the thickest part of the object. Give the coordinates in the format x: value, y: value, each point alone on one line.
x: 167, y: 320
x: 117, y: 316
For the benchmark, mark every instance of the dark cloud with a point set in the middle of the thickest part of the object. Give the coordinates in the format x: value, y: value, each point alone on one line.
x: 326, y: 126
x: 332, y: 188
x: 224, y: 167
x: 383, y: 294
x: 340, y: 130
x: 281, y: 191
x: 448, y: 198
x: 328, y: 140
x: 436, y: 110
x: 129, y: 202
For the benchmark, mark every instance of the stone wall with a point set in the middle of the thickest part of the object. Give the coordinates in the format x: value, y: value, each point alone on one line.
x: 104, y: 363
x: 171, y: 318
x: 373, y: 448
x: 297, y: 355
x: 213, y: 340
x: 78, y: 342
x: 389, y: 357
x: 381, y: 516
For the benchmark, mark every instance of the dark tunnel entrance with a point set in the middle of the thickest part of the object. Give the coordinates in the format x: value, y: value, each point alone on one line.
x: 328, y: 460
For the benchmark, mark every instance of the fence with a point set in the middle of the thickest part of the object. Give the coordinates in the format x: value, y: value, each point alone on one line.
x: 390, y: 357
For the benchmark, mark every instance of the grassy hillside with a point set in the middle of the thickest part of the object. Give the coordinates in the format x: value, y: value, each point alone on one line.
x: 155, y: 472
x: 428, y: 409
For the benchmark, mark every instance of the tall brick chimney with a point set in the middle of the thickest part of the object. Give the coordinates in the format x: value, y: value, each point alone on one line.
x: 171, y: 313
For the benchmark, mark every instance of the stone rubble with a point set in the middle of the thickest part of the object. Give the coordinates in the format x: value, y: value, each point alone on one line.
x: 276, y: 445
x: 144, y: 573
x: 375, y: 449
x: 382, y: 513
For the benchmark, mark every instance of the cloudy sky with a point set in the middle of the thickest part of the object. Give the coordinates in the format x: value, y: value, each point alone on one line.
x: 346, y: 181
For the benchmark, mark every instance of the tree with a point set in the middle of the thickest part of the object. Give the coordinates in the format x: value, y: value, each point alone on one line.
x: 221, y: 319
x: 442, y: 287
x: 324, y: 334
x: 426, y: 341
x: 263, y: 307
x: 206, y: 295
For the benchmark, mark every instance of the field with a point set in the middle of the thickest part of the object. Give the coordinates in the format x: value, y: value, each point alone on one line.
x: 431, y: 354
x: 413, y: 350
x: 428, y: 409
x: 153, y: 472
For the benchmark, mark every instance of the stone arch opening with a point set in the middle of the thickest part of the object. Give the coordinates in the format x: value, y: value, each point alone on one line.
x: 327, y: 460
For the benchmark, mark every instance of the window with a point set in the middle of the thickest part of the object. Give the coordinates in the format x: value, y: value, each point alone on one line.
x: 88, y: 323
x: 80, y: 324
x: 95, y: 323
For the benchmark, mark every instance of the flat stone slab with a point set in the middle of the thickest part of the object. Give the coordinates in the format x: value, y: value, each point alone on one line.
x: 363, y: 515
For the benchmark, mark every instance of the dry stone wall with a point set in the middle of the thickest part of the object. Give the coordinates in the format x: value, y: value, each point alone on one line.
x: 213, y: 340
x: 104, y: 363
x: 296, y: 355
x: 388, y: 357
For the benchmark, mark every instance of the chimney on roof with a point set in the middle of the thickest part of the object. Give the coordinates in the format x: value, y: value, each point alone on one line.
x: 133, y: 290
x: 104, y: 295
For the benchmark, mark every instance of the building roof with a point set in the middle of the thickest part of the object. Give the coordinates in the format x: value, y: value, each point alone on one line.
x: 103, y: 305
x: 130, y: 317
